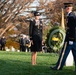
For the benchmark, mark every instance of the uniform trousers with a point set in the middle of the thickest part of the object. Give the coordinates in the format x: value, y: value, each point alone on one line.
x: 64, y: 53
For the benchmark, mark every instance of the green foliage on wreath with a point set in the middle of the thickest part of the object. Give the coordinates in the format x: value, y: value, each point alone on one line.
x: 55, y: 38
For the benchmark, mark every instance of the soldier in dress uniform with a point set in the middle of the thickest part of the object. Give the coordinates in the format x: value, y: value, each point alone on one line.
x: 35, y: 32
x: 70, y: 39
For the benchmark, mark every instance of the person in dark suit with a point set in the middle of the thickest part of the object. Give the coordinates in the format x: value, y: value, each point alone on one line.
x: 35, y: 32
x: 70, y: 39
x: 3, y: 42
x: 22, y: 42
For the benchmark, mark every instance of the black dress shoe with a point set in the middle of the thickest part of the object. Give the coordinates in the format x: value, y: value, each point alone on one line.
x: 53, y: 68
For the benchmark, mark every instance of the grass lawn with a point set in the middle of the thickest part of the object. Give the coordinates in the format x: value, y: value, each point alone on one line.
x: 19, y: 63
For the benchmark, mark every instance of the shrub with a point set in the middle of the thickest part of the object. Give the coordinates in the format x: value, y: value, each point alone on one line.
x: 11, y: 42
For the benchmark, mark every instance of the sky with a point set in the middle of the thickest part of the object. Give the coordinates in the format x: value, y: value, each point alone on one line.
x: 35, y: 3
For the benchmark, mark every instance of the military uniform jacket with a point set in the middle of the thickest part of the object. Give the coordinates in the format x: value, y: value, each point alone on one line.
x: 35, y: 29
x: 71, y: 27
x: 35, y: 32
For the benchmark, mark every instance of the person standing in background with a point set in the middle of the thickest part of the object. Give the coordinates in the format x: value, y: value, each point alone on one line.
x: 3, y: 42
x: 27, y: 44
x: 22, y: 42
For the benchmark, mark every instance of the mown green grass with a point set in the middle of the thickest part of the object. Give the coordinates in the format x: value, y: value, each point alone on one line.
x: 14, y: 63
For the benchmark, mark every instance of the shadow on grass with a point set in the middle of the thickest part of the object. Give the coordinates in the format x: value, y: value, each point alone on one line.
x: 17, y: 67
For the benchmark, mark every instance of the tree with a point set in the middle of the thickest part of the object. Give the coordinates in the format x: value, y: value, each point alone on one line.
x: 9, y: 11
x: 58, y: 5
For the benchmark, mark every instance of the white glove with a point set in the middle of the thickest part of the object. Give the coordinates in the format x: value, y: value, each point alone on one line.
x: 70, y: 42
